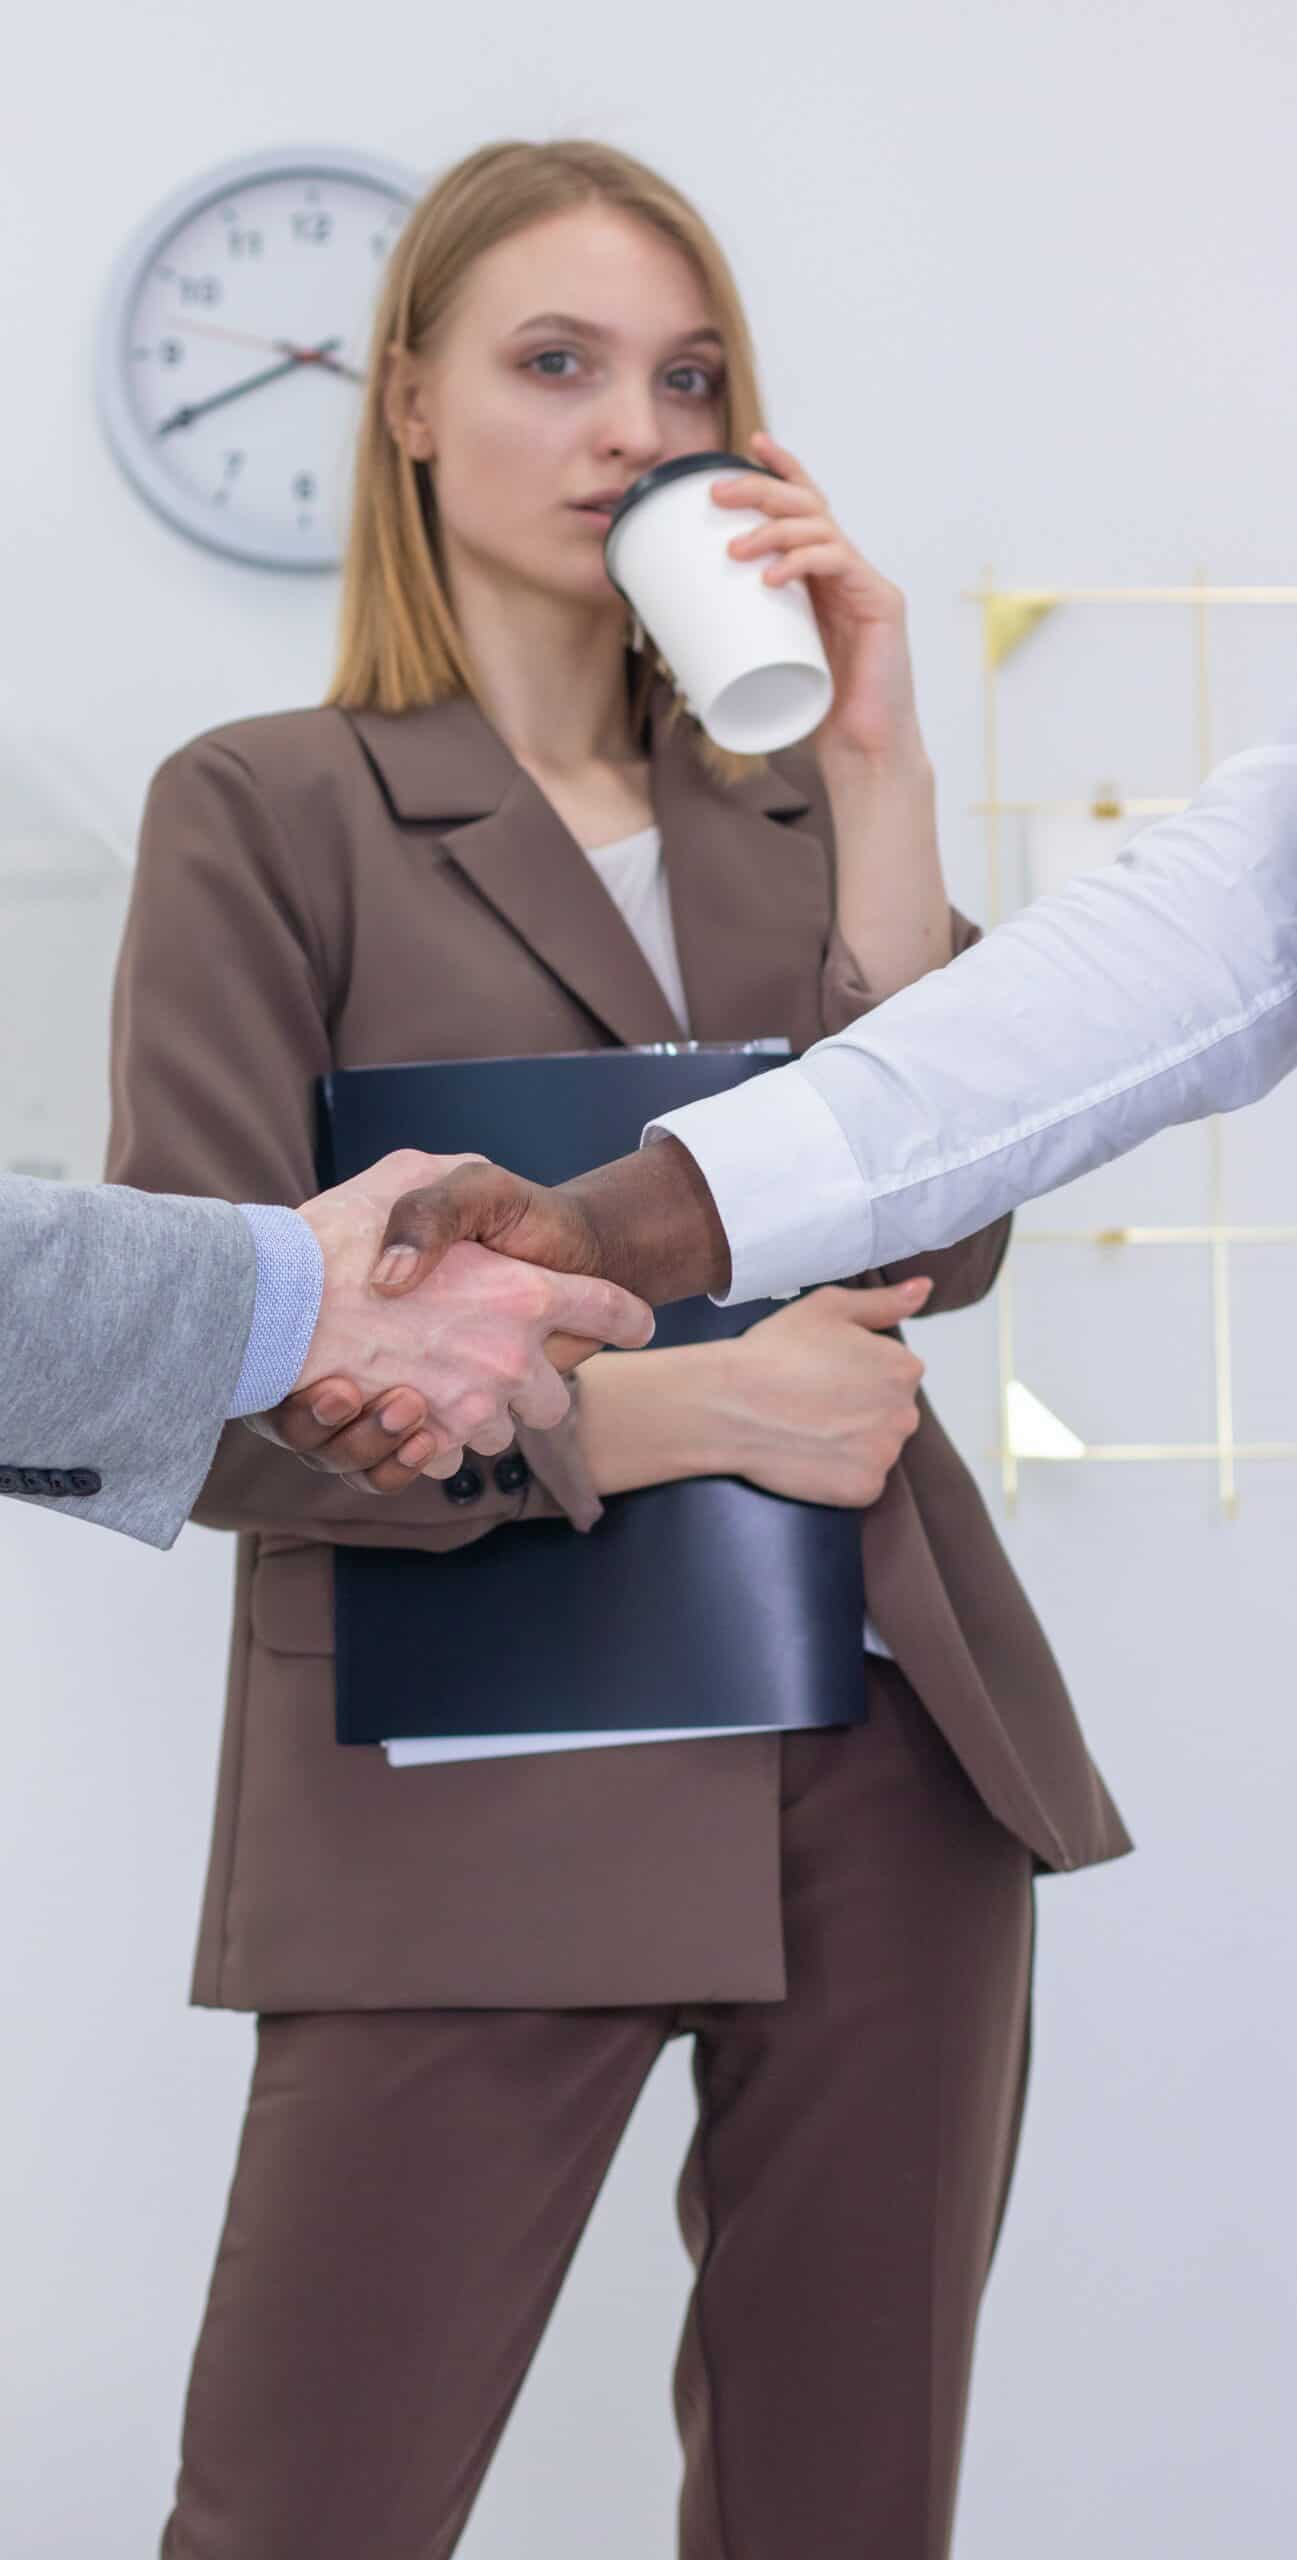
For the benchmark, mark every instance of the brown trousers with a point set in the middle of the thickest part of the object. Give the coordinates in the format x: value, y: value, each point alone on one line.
x: 411, y: 2186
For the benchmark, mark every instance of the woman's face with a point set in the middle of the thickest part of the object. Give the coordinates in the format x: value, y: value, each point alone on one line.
x: 580, y: 352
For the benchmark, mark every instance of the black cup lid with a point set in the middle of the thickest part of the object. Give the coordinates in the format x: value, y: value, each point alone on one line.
x: 679, y: 469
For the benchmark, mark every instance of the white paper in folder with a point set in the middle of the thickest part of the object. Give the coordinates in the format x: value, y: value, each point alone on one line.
x: 495, y: 1746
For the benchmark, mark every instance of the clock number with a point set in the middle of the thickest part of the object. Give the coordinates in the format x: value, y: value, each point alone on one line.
x: 206, y: 430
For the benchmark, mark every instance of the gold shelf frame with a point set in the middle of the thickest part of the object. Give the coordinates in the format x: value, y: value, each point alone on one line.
x: 1008, y: 615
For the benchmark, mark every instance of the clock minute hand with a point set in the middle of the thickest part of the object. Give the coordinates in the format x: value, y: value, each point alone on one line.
x: 186, y: 414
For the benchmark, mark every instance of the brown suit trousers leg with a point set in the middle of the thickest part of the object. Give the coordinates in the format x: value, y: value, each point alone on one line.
x: 411, y: 2186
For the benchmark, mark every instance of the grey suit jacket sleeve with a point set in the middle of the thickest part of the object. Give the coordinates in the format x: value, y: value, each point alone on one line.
x: 126, y: 1317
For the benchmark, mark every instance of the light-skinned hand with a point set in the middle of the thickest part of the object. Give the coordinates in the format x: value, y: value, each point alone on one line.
x: 817, y: 1403
x: 470, y: 1350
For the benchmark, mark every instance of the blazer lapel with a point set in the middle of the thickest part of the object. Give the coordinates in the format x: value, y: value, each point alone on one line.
x: 750, y: 887
x: 446, y: 769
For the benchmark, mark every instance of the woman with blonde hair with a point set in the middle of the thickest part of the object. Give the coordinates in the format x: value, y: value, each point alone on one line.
x: 502, y: 832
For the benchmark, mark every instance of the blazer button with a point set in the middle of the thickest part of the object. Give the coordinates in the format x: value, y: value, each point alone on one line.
x: 464, y: 1487
x: 512, y: 1472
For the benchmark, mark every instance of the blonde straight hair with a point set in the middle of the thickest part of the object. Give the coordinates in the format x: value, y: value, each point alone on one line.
x: 399, y: 643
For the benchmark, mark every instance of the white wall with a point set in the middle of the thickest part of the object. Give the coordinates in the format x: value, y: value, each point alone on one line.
x: 1023, y: 276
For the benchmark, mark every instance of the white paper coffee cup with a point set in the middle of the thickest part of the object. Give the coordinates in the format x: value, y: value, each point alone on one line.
x: 747, y: 657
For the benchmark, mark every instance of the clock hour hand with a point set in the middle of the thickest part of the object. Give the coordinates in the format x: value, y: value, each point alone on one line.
x: 189, y: 410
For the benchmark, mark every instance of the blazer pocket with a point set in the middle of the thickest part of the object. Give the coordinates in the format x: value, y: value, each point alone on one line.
x: 291, y: 1606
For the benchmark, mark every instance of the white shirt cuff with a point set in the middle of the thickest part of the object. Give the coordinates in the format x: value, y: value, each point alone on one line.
x: 786, y: 1185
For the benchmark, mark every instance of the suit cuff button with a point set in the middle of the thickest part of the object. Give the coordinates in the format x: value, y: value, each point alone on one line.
x: 464, y: 1487
x: 512, y: 1472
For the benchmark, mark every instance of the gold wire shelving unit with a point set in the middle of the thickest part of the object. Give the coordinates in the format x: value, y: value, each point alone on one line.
x: 1008, y: 615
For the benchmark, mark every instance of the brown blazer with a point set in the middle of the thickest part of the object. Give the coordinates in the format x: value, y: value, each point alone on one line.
x: 325, y: 887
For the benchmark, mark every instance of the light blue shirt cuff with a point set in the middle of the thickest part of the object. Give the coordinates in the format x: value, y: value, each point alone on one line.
x: 290, y: 1286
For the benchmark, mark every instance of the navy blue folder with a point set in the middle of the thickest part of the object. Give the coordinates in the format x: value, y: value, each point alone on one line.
x: 703, y: 1603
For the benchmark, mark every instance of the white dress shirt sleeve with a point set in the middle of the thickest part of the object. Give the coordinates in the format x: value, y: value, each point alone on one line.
x: 1159, y: 989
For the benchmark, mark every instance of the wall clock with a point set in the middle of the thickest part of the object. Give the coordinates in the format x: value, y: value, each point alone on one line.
x: 233, y: 345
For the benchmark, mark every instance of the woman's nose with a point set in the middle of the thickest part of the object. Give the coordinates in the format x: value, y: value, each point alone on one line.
x: 631, y: 429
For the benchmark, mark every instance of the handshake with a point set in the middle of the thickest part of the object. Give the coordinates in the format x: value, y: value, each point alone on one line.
x: 455, y: 1294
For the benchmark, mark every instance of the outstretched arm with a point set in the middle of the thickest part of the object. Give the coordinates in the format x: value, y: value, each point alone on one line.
x: 1160, y: 989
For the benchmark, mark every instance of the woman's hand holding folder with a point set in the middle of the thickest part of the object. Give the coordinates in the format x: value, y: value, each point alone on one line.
x: 815, y: 1403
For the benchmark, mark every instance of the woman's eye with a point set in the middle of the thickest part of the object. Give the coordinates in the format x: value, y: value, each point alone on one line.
x: 691, y: 381
x: 705, y: 384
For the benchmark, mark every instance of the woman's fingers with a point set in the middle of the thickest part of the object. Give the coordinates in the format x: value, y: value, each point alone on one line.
x: 810, y: 525
x: 878, y: 1310
x: 820, y: 560
x: 794, y: 534
x: 792, y: 475
x: 776, y: 498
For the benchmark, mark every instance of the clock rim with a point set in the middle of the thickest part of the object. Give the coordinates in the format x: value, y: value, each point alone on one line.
x: 134, y: 456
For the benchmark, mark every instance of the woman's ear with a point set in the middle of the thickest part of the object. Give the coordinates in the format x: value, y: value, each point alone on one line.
x: 403, y: 404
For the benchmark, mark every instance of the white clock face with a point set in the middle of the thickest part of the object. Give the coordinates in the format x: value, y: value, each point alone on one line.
x: 234, y: 348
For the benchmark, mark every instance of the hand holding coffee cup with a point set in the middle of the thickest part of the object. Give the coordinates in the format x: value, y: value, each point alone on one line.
x: 817, y: 642
x: 746, y: 654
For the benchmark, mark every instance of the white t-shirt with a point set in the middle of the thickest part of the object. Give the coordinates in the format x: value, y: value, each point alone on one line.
x: 633, y: 873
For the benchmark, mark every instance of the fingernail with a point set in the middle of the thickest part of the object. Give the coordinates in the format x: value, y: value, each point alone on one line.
x: 916, y: 1288
x: 414, y: 1452
x: 394, y: 1266
x: 333, y: 1404
x: 398, y: 1416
